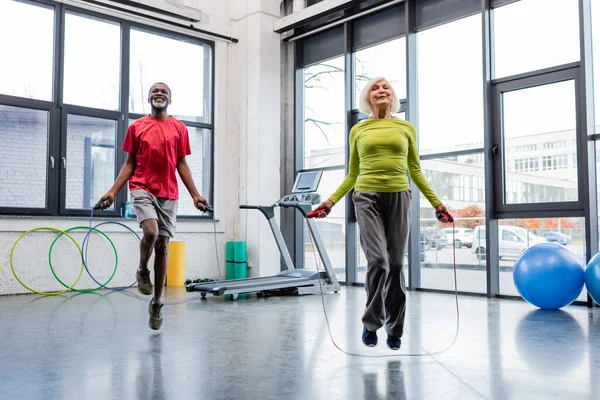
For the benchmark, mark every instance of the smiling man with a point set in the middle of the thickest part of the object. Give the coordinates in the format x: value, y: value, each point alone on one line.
x: 157, y: 145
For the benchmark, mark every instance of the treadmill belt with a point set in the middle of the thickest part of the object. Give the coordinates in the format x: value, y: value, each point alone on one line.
x: 267, y: 282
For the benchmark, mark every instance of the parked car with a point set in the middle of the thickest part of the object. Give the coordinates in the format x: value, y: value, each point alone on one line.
x: 462, y: 237
x: 557, y: 237
x: 512, y: 241
x: 434, y: 238
x: 422, y: 243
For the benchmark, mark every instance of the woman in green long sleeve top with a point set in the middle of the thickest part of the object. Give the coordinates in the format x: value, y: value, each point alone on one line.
x: 382, y: 150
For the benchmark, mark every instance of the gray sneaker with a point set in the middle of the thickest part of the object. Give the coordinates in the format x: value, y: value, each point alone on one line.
x: 143, y: 281
x: 155, y: 312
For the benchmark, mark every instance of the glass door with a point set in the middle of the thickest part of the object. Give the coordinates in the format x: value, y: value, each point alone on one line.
x: 538, y: 185
x: 536, y: 146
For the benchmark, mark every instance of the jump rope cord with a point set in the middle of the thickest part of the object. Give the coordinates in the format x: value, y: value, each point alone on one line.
x: 426, y: 353
x: 122, y: 289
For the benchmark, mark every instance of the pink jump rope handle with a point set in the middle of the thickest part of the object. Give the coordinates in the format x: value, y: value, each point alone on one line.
x: 313, y: 214
x: 440, y: 215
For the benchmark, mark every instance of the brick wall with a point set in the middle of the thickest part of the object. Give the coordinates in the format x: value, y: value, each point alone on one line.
x: 23, y: 157
x: 101, y: 158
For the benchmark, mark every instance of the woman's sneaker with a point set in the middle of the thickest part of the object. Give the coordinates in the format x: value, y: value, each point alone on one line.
x: 393, y: 342
x: 369, y: 338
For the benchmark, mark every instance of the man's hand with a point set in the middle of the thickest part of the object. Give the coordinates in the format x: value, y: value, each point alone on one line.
x: 106, y: 201
x: 325, y: 208
x: 200, y: 202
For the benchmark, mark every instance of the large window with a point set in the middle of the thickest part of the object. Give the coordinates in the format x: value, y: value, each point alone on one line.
x: 386, y: 60
x: 90, y: 161
x: 498, y: 104
x: 23, y: 157
x: 183, y: 66
x: 200, y: 162
x: 324, y: 146
x: 450, y: 119
x: 449, y: 87
x: 546, y: 115
x: 332, y: 229
x: 535, y: 34
x: 459, y: 183
x: 64, y: 108
x: 324, y: 116
x: 92, y: 62
x: 28, y: 54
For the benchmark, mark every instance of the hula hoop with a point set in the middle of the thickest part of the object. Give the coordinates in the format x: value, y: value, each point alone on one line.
x: 48, y: 228
x: 85, y: 245
x: 83, y: 290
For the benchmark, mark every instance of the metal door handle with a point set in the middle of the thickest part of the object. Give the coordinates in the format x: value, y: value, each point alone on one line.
x: 495, y: 149
x: 64, y: 162
x: 51, y: 162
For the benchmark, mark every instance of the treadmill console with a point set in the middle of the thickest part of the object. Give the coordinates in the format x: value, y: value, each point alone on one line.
x: 306, y: 198
x: 304, y: 190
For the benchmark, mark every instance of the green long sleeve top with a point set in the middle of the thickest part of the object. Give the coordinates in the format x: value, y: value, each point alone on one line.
x: 381, y: 150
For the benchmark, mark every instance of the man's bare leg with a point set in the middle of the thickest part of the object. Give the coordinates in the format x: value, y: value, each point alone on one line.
x: 161, y: 250
x: 147, y: 244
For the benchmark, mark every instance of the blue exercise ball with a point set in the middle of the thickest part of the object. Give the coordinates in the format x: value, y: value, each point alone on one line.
x: 592, y: 278
x: 549, y: 276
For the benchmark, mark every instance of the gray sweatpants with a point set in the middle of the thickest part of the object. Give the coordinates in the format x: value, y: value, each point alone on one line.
x: 383, y: 220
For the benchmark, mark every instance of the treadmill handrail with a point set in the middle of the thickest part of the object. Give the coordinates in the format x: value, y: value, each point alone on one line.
x: 269, y: 213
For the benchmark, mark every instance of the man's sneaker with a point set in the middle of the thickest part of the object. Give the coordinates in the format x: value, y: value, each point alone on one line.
x: 393, y: 342
x: 155, y: 312
x: 369, y: 338
x: 143, y: 282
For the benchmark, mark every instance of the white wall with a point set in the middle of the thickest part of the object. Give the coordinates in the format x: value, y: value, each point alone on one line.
x: 247, y: 169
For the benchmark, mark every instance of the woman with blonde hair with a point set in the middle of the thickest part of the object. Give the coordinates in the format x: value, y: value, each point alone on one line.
x: 382, y: 149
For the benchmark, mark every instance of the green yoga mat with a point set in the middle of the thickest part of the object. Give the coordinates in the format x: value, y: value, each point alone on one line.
x: 235, y: 260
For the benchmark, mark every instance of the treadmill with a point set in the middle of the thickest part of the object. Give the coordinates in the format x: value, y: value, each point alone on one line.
x: 290, y: 280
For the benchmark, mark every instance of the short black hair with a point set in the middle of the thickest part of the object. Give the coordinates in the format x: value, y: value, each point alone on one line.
x: 159, y: 83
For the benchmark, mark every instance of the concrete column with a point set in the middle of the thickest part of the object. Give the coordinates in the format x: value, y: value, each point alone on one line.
x: 254, y: 66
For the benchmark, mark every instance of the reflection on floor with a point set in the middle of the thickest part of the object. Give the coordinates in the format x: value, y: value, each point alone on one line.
x: 90, y: 346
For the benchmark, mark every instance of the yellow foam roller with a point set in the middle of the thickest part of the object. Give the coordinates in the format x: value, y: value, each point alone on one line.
x: 176, y: 264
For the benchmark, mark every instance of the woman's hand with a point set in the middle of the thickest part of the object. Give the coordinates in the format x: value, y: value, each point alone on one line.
x: 325, y: 208
x: 445, y: 217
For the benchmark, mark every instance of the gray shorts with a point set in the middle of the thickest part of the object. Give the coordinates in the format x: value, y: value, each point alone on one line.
x: 163, y: 210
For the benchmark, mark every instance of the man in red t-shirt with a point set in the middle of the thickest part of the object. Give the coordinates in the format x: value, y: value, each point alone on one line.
x: 157, y: 145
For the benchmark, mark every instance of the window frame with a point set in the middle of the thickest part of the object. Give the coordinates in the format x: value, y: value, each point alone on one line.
x: 58, y: 113
x: 504, y: 209
x: 585, y: 142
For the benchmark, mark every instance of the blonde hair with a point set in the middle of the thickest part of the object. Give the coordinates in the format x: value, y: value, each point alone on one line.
x: 364, y: 105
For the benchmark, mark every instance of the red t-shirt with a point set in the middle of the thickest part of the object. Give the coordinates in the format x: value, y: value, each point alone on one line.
x: 157, y: 146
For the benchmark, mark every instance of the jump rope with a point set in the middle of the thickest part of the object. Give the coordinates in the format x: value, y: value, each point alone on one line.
x: 439, y: 215
x: 84, y: 251
x: 425, y: 353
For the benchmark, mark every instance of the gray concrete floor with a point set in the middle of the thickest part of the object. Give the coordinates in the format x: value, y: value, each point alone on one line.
x: 98, y: 346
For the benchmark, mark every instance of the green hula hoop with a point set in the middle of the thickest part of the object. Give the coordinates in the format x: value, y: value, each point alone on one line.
x: 84, y: 290
x: 48, y: 228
